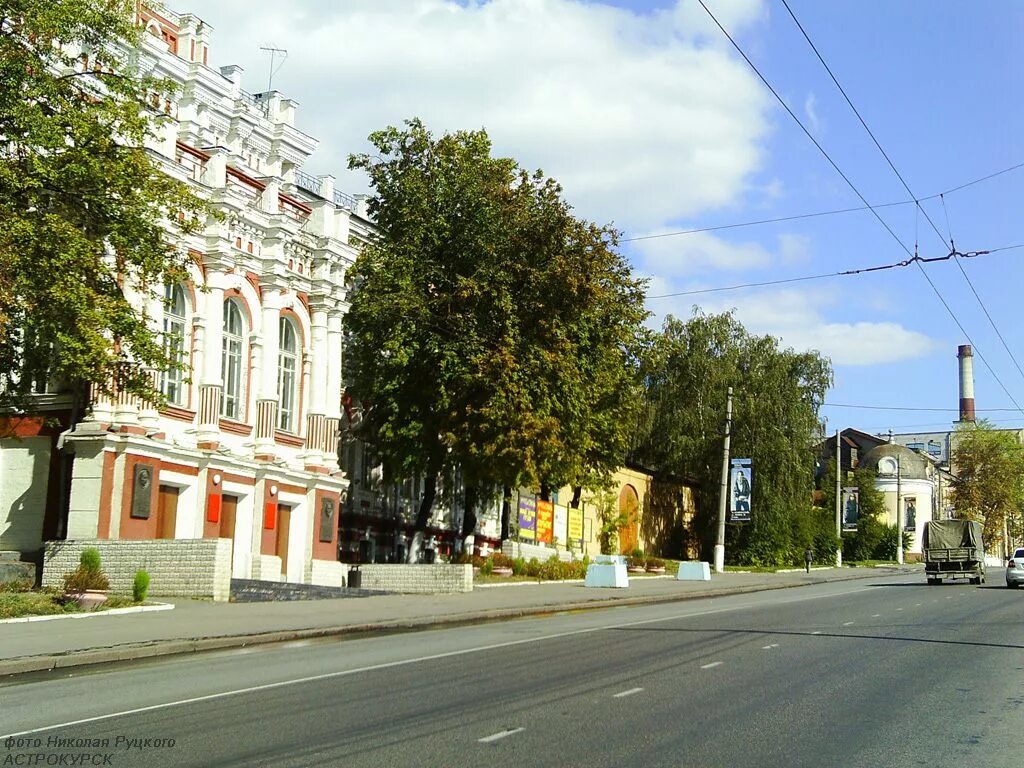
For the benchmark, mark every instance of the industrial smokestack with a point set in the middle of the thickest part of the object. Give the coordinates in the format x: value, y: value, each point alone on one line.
x: 966, y: 357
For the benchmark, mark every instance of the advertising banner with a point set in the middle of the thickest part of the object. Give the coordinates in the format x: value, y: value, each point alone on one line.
x: 561, y: 524
x: 576, y: 525
x: 527, y: 518
x: 851, y: 508
x: 545, y: 521
x: 740, y: 489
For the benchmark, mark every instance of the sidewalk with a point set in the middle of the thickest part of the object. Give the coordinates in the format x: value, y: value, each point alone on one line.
x: 198, y: 625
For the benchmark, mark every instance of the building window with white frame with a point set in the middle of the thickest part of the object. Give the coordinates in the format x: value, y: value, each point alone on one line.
x: 172, y: 384
x: 287, y: 379
x: 232, y: 394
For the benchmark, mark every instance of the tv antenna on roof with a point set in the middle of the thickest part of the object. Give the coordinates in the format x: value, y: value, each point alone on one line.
x: 274, y: 53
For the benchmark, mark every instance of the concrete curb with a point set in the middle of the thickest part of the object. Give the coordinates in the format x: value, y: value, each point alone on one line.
x: 92, y: 614
x: 134, y: 651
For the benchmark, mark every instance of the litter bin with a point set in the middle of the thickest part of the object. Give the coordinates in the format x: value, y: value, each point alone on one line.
x: 355, y: 578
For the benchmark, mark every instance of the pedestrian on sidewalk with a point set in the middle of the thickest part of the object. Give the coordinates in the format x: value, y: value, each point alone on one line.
x: 808, y: 556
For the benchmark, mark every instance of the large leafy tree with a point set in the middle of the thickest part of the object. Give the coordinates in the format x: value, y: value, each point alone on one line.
x: 988, y: 482
x: 490, y: 329
x: 88, y: 218
x: 777, y: 395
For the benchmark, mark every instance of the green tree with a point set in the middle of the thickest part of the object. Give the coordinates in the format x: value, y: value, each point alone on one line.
x: 988, y: 482
x: 777, y: 395
x: 865, y: 543
x: 490, y: 329
x: 88, y: 219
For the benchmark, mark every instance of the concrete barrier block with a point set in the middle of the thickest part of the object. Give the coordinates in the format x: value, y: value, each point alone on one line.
x: 694, y: 571
x: 606, y: 575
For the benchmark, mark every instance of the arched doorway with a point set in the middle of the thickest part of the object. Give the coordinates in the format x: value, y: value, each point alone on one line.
x: 629, y: 509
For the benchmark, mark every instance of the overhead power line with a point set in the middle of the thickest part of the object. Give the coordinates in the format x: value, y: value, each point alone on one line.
x: 916, y: 259
x: 815, y: 214
x: 913, y: 408
x: 857, y: 192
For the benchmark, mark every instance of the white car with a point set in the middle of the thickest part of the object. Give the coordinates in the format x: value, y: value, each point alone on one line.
x: 1015, y: 569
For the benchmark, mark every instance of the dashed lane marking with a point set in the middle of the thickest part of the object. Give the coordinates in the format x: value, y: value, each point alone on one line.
x: 769, y: 647
x: 712, y: 664
x: 499, y: 735
x: 847, y: 623
x: 875, y: 615
x: 630, y: 692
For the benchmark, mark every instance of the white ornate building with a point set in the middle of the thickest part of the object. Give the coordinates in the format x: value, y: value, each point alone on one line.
x: 246, y: 449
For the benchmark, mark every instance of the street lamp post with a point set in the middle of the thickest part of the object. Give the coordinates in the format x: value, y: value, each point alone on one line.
x: 723, y: 497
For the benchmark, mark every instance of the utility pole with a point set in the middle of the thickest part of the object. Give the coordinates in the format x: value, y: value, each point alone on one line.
x: 899, y: 511
x: 723, y: 498
x: 839, y: 498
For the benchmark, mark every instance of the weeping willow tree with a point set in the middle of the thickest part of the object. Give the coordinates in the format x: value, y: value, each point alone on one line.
x: 777, y: 394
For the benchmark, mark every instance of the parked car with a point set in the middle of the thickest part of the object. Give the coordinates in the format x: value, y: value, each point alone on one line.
x: 1015, y: 569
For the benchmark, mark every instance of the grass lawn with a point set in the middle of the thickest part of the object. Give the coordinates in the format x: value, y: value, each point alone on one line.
x: 14, y: 605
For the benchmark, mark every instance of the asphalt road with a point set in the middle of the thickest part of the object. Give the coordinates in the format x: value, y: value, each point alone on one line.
x: 883, y: 672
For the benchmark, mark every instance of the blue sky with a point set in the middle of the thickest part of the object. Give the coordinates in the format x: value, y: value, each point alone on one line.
x: 651, y: 120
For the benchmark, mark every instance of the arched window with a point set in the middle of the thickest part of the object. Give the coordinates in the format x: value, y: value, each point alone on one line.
x: 175, y: 310
x: 231, y: 398
x: 287, y: 366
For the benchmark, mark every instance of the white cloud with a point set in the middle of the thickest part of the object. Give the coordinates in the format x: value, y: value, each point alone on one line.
x: 643, y: 118
x: 798, y: 318
x: 811, y: 111
x: 700, y: 251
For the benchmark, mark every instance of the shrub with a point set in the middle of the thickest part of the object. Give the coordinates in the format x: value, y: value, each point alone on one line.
x: 500, y: 560
x: 16, y: 585
x: 82, y: 579
x: 655, y: 562
x: 533, y: 568
x: 487, y: 567
x: 89, y: 559
x: 140, y: 587
x: 88, y: 575
x: 519, y: 566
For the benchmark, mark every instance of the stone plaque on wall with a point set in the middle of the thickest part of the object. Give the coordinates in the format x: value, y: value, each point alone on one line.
x: 142, y: 491
x: 327, y: 520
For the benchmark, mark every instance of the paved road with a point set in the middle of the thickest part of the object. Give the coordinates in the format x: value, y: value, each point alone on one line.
x: 884, y: 672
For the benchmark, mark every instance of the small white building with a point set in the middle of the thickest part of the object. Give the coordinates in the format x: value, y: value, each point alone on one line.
x: 912, y: 485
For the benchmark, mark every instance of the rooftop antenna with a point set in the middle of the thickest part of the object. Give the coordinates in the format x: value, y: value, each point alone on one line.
x: 274, y: 53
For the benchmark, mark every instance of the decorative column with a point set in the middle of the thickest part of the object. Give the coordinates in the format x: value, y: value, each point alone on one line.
x: 316, y: 420
x: 208, y: 417
x: 149, y: 416
x: 332, y: 397
x: 266, y: 375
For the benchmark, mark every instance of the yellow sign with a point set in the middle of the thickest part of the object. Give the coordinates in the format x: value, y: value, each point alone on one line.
x: 575, y: 524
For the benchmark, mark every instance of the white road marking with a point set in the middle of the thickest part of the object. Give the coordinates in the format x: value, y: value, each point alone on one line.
x: 630, y: 692
x: 847, y: 623
x: 712, y: 664
x: 816, y: 632
x: 899, y: 609
x: 916, y: 605
x: 416, y: 660
x: 499, y: 735
x: 875, y: 615
x: 769, y: 647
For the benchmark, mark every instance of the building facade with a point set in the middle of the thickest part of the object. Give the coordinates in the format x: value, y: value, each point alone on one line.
x: 246, y: 448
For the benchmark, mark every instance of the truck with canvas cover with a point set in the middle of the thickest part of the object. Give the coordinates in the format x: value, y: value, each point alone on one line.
x: 953, y: 549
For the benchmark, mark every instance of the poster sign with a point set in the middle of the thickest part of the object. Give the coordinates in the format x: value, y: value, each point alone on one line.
x: 851, y: 508
x: 575, y: 524
x: 561, y: 524
x: 740, y: 490
x: 545, y: 521
x: 527, y: 518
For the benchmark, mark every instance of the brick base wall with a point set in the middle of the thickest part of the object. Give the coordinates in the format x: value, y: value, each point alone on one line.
x: 418, y: 579
x: 529, y: 551
x: 269, y: 568
x: 176, y: 567
x: 328, y: 573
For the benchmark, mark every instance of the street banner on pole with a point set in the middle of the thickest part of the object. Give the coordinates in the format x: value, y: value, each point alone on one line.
x: 851, y: 508
x: 527, y: 518
x: 545, y: 521
x: 740, y: 487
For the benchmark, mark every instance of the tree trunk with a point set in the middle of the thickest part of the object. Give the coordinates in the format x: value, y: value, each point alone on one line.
x: 577, y: 491
x: 545, y: 492
x: 423, y: 516
x: 506, y: 511
x: 469, y: 514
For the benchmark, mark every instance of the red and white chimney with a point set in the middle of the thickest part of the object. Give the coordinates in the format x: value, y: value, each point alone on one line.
x: 966, y: 357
